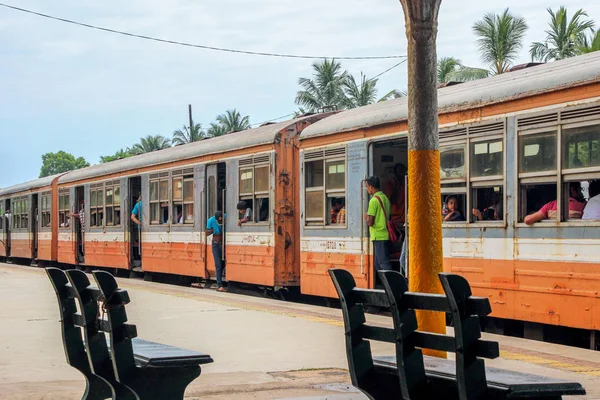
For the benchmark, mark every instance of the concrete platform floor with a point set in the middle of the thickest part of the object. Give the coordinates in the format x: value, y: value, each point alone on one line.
x: 263, y: 349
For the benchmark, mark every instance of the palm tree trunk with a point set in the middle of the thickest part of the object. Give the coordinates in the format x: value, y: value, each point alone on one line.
x: 424, y: 217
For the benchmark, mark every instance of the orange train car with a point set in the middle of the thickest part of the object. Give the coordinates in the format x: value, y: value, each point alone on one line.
x: 27, y: 224
x: 509, y: 144
x: 181, y: 188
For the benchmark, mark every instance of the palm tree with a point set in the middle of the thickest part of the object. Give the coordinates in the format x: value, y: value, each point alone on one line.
x: 359, y: 95
x: 325, y: 89
x: 183, y: 136
x: 233, y: 121
x: 500, y: 38
x: 451, y: 69
x: 300, y: 112
x: 216, y: 130
x: 591, y: 44
x: 151, y: 143
x: 563, y: 37
x: 117, y: 156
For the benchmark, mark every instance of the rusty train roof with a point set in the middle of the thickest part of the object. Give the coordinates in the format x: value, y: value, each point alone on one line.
x: 265, y: 134
x: 31, y: 185
x: 553, y: 76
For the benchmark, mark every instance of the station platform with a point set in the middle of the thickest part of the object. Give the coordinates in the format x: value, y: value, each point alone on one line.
x: 263, y: 348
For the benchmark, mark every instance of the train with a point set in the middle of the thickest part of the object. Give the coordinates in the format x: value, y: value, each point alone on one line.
x: 521, y: 138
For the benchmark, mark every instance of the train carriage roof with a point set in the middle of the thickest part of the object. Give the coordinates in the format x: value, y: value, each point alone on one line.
x: 527, y: 82
x: 266, y: 134
x: 31, y: 185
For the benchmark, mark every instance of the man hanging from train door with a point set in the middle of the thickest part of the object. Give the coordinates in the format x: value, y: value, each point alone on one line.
x: 377, y: 217
x: 214, y: 227
x: 136, y: 217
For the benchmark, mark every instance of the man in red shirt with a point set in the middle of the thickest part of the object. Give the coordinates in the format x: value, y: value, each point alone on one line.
x: 550, y: 210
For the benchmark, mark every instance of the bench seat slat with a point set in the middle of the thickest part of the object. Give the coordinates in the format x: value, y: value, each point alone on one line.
x: 151, y: 354
x: 517, y: 384
x: 438, y: 302
x: 373, y: 297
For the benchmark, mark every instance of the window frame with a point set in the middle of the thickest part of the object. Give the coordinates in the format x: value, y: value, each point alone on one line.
x: 184, y: 177
x: 45, y: 210
x: 560, y: 176
x: 65, y: 211
x: 259, y: 161
x: 21, y: 212
x: 449, y: 186
x: 337, y: 154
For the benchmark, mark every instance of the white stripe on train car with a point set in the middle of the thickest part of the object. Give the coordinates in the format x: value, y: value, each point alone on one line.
x: 65, y: 237
x: 251, y: 239
x: 104, y: 237
x: 171, y: 237
x: 20, y: 236
x: 576, y: 250
x: 44, y: 235
x: 347, y: 245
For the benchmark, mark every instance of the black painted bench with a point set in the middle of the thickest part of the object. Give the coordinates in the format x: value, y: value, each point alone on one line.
x: 115, y: 363
x: 409, y: 374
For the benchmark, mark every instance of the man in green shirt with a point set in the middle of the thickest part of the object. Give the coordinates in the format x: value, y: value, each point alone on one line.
x: 377, y: 216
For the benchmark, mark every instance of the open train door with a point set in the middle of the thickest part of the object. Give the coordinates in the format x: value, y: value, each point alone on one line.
x: 134, y: 232
x: 215, y: 178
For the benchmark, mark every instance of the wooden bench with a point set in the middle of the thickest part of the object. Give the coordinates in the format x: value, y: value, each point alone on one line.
x: 409, y: 374
x: 122, y: 364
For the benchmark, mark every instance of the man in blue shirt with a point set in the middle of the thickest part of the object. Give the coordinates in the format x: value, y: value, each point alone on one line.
x: 214, y: 227
x: 136, y: 217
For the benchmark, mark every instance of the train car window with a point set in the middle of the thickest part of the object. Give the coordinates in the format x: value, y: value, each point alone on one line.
x: 159, y: 201
x: 534, y: 196
x: 452, y: 162
x: 183, y: 199
x: 97, y: 205
x: 1, y: 214
x: 46, y: 209
x: 537, y: 153
x: 254, y: 188
x: 64, y: 217
x: 453, y: 207
x: 325, y: 188
x: 487, y: 158
x: 117, y: 205
x: 109, y: 206
x: 112, y: 203
x: 488, y: 204
x: 581, y: 147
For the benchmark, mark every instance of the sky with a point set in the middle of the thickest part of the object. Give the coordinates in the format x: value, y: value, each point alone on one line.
x: 90, y: 93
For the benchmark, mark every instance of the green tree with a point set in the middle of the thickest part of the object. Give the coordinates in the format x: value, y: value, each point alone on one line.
x: 117, y: 156
x: 500, y: 36
x: 590, y: 44
x: 451, y: 69
x: 151, y: 143
x: 325, y: 89
x: 183, y: 136
x: 356, y: 95
x: 217, y: 129
x: 59, y: 162
x: 232, y: 121
x: 563, y: 37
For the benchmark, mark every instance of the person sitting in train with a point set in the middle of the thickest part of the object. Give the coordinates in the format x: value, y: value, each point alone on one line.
x: 394, y: 190
x: 336, y: 206
x: 550, y: 210
x: 491, y: 213
x: 245, y: 213
x: 376, y: 217
x: 592, y: 208
x: 451, y: 212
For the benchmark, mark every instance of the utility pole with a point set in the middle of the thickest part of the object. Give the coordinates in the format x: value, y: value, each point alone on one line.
x: 191, y: 121
x: 425, y: 220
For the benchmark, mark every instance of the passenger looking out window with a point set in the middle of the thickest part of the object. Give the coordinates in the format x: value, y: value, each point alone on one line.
x: 493, y: 212
x: 592, y: 208
x: 394, y: 190
x: 337, y: 208
x: 550, y: 210
x: 376, y: 217
x: 451, y: 211
x: 245, y: 213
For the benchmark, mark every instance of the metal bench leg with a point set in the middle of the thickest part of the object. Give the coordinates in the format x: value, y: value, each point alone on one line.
x: 96, y: 389
x: 164, y: 383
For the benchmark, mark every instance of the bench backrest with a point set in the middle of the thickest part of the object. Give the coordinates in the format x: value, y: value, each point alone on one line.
x: 95, y: 339
x: 457, y: 301
x: 120, y: 333
x: 71, y: 333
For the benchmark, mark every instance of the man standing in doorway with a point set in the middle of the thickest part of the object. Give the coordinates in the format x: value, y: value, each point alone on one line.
x: 136, y: 217
x: 214, y: 227
x: 81, y: 216
x: 377, y: 217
